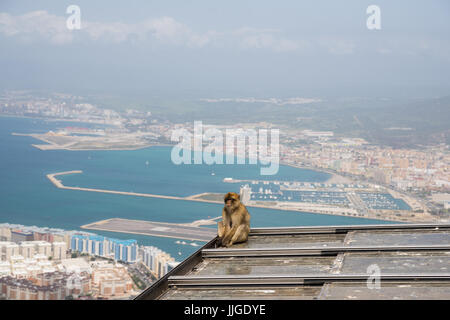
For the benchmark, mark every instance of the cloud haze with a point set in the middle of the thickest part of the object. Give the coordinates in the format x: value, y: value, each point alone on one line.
x: 41, y: 25
x: 227, y: 49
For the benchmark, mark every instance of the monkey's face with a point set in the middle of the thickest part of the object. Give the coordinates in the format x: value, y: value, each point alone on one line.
x: 232, y: 200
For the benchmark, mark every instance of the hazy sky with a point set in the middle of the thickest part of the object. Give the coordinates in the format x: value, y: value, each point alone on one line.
x: 227, y: 48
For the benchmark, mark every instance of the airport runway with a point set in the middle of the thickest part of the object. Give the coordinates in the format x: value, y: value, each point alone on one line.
x: 157, y: 229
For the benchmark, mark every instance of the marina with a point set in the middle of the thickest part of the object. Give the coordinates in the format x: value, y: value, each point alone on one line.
x: 343, y: 195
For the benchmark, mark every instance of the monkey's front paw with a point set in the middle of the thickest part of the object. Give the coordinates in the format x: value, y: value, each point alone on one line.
x: 224, y: 242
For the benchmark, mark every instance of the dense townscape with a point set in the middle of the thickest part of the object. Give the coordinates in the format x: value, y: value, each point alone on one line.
x: 47, y: 263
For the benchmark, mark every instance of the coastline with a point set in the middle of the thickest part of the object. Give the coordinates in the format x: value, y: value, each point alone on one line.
x: 334, y: 177
x: 301, y: 207
x: 55, y: 119
x: 101, y: 149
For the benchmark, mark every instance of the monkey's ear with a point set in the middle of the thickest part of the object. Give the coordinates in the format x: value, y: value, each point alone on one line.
x: 239, y: 196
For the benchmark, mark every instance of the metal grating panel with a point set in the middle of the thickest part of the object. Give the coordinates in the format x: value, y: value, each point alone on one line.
x: 317, y: 263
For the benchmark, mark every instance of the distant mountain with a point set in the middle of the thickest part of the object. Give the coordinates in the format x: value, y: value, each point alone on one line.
x: 415, y: 123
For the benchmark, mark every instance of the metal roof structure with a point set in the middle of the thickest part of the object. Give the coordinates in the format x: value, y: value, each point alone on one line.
x: 326, y: 262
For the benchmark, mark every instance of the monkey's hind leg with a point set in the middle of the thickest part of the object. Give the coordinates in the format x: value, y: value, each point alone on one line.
x: 241, y: 235
x: 221, y: 232
x: 220, y: 229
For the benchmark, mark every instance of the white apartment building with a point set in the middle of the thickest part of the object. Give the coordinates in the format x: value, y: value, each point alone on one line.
x: 59, y: 250
x: 157, y: 260
x: 8, y: 249
x: 29, y: 249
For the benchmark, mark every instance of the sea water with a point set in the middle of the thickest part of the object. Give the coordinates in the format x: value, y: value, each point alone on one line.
x: 27, y: 197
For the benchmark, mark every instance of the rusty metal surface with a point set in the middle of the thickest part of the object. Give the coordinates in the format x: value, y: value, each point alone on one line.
x: 387, y: 291
x: 290, y: 241
x: 397, y: 262
x: 263, y: 266
x: 249, y: 293
x: 319, y: 263
x: 417, y: 237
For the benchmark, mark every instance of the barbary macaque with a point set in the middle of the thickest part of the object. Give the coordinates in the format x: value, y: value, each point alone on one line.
x: 235, y: 224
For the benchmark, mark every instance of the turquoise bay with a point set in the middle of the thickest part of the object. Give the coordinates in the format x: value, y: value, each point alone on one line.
x: 27, y: 197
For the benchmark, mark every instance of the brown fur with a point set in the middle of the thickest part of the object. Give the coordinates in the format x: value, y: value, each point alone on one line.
x: 235, y: 224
